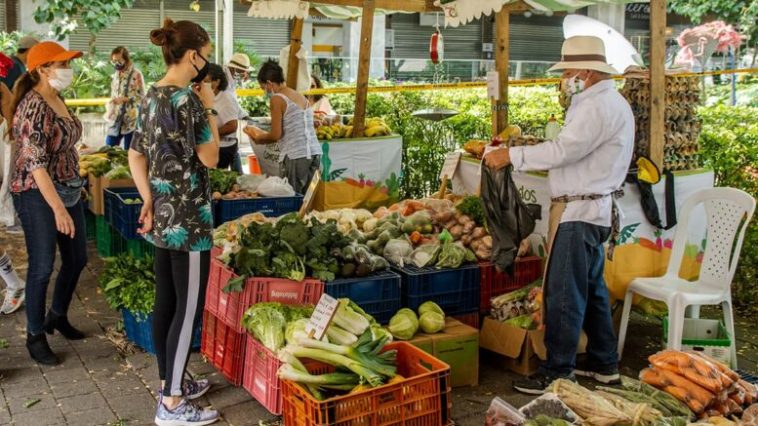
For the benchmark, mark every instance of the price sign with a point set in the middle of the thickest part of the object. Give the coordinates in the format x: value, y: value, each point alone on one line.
x: 450, y: 165
x: 322, y: 317
x: 493, y: 85
x: 310, y: 193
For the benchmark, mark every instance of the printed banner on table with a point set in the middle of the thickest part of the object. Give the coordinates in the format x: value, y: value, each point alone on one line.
x: 643, y: 250
x: 359, y: 173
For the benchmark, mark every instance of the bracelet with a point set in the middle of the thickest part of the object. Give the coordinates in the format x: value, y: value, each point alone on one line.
x: 211, y: 112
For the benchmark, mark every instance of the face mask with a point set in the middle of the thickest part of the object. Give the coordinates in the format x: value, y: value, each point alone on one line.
x: 63, y: 78
x: 201, y: 72
x: 119, y: 66
x: 574, y: 86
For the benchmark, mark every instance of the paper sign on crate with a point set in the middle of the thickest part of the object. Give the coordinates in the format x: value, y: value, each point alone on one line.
x: 322, y: 316
x: 450, y: 165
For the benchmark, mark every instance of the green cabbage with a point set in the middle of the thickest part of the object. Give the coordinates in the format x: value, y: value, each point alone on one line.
x: 432, y: 322
x: 404, y: 324
x: 430, y: 306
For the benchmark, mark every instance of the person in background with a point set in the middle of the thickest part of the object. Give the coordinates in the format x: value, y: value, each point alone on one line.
x: 47, y: 191
x: 237, y: 71
x: 127, y: 88
x: 588, y: 162
x: 19, y: 61
x: 291, y: 127
x: 14, y: 286
x: 225, y: 105
x: 175, y: 143
x: 320, y: 103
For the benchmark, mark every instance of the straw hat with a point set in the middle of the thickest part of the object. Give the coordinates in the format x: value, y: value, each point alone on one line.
x: 49, y: 51
x: 240, y: 61
x: 583, y: 53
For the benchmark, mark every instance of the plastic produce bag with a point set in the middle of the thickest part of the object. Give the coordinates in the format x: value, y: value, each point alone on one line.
x: 425, y: 255
x: 501, y: 413
x: 250, y: 182
x: 398, y: 251
x: 549, y: 405
x: 509, y: 219
x: 275, y: 187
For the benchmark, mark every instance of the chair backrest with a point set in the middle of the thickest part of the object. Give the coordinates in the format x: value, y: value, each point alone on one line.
x: 726, y: 209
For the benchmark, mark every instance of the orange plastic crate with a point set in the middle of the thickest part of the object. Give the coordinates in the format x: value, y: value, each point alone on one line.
x: 223, y: 348
x: 260, y: 379
x: 422, y: 399
x: 526, y: 270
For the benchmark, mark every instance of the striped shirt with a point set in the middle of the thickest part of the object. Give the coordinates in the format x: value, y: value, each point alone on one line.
x: 298, y: 134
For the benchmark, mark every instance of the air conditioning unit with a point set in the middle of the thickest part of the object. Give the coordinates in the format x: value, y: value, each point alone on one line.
x: 389, y: 39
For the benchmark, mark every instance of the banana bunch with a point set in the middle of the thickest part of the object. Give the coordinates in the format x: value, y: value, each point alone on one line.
x: 325, y: 133
x: 94, y: 164
x: 335, y: 131
x: 377, y: 127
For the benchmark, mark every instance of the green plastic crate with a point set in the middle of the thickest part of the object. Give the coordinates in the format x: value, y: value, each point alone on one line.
x: 108, y: 240
x: 91, y: 222
x: 139, y: 248
x: 704, y: 335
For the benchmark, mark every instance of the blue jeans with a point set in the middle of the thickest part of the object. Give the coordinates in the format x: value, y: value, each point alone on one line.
x: 42, y: 237
x: 116, y: 140
x: 576, y: 298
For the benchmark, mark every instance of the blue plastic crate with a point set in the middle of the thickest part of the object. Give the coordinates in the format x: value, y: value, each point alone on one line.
x: 456, y: 291
x: 750, y: 378
x: 139, y: 331
x: 271, y: 207
x: 378, y: 294
x: 124, y: 217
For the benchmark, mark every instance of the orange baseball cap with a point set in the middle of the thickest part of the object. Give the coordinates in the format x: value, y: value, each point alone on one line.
x: 49, y: 51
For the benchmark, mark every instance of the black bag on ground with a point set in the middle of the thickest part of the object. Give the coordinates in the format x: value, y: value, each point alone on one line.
x: 509, y: 219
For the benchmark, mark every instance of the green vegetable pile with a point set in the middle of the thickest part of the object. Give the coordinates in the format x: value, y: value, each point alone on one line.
x: 291, y: 249
x: 471, y: 206
x: 268, y: 321
x: 119, y: 172
x: 405, y: 324
x: 222, y: 180
x: 129, y: 283
x: 353, y: 345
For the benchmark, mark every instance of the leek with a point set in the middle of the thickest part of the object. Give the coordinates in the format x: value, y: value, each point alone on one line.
x: 350, y: 320
x: 339, y: 381
x: 339, y: 336
x: 368, y: 360
x: 371, y: 376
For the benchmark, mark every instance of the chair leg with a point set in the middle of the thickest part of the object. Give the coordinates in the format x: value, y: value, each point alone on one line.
x: 624, y: 321
x: 676, y: 323
x: 729, y: 323
x: 693, y: 311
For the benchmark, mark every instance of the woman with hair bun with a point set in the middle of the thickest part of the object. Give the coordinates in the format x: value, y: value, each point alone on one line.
x: 175, y: 143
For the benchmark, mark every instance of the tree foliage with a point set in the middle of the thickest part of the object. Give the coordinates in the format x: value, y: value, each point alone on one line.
x: 740, y: 13
x: 65, y: 16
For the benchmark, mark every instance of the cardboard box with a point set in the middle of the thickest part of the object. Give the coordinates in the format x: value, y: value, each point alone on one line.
x: 95, y: 190
x: 524, y: 349
x: 704, y: 335
x: 458, y: 346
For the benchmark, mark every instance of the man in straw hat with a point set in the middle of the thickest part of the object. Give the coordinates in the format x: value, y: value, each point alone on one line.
x: 588, y: 162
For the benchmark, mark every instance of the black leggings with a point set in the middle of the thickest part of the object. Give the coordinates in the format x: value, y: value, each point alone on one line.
x: 181, y: 278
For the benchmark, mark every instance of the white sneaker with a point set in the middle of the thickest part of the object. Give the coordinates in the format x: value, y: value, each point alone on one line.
x: 13, y: 301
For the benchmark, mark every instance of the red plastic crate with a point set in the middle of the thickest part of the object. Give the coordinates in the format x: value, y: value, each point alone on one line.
x: 260, y: 380
x: 223, y: 348
x: 422, y: 399
x: 261, y: 289
x: 525, y: 271
x: 228, y: 307
x: 470, y: 319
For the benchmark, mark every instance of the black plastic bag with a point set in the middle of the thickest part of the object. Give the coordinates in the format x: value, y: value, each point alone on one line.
x: 509, y: 219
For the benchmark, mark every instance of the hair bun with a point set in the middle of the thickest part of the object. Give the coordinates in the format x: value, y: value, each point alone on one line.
x: 160, y: 36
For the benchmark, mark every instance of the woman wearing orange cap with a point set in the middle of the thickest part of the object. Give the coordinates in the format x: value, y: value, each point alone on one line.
x: 46, y: 191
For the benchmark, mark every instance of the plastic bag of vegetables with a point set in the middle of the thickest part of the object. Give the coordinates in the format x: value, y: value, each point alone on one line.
x: 398, y: 251
x: 425, y: 255
x: 453, y: 255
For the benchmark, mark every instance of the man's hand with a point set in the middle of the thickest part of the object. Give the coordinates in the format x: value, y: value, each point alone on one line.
x: 498, y: 158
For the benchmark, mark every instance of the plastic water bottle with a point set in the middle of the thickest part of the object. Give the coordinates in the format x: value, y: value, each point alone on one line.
x: 552, y: 128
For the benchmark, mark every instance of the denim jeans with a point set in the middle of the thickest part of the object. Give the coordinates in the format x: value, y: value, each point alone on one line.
x: 42, y: 237
x: 576, y: 298
x: 116, y: 140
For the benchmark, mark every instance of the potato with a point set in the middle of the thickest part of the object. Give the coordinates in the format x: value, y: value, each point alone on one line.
x: 216, y: 196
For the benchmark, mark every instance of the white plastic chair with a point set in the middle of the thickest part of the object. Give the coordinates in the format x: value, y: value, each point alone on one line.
x: 728, y: 212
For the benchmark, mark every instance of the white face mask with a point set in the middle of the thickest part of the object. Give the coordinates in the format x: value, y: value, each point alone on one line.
x: 63, y: 78
x: 574, y: 86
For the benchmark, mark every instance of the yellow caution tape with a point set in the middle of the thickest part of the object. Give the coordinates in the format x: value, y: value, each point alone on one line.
x: 419, y: 87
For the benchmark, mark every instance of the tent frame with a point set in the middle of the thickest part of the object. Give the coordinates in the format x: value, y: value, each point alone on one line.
x: 502, y: 54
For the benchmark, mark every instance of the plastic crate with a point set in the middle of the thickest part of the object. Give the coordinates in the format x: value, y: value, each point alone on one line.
x: 271, y: 207
x: 526, y: 270
x: 260, y: 379
x: 422, y: 399
x: 107, y: 239
x: 378, y: 294
x: 91, y: 224
x: 261, y: 289
x: 750, y: 378
x: 227, y: 307
x: 139, y: 330
x: 224, y: 348
x: 471, y: 319
x: 124, y: 217
x: 456, y: 291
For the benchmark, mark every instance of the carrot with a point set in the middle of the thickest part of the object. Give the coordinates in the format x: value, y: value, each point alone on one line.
x: 751, y: 391
x: 681, y: 394
x: 651, y: 377
x: 738, y: 395
x: 734, y: 407
x: 695, y: 369
x: 649, y: 244
x: 723, y: 368
x: 416, y: 237
x: 696, y: 391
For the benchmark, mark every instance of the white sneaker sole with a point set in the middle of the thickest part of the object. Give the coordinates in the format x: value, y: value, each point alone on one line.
x: 606, y: 379
x: 17, y: 307
x: 529, y: 391
x: 161, y: 422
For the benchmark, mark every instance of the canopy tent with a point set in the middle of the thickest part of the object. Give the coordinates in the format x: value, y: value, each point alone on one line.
x: 460, y: 12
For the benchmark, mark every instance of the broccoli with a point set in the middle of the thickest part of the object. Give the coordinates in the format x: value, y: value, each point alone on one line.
x: 294, y: 232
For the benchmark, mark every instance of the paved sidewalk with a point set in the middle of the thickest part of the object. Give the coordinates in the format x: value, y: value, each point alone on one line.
x: 98, y: 385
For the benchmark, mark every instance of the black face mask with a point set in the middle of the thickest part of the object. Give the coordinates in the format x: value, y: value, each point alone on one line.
x: 201, y: 72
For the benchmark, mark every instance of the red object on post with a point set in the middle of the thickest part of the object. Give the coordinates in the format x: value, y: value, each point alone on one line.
x: 437, y: 47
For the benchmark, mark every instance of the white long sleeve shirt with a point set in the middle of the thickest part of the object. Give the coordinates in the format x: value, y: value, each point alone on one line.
x: 590, y: 155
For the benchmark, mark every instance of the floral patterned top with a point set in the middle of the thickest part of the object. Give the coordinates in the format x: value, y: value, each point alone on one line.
x: 171, y: 124
x: 134, y: 89
x: 45, y: 140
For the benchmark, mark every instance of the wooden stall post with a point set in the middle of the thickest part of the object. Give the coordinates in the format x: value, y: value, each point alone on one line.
x: 502, y: 56
x: 364, y: 66
x: 296, y: 41
x: 657, y: 80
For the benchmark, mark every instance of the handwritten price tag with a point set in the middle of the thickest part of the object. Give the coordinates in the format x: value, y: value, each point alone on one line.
x: 450, y: 165
x: 322, y: 316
